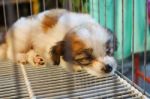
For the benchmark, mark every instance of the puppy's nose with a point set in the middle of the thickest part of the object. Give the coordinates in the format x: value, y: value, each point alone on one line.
x: 108, y: 68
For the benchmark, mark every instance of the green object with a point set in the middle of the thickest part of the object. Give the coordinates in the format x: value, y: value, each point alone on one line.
x: 139, y: 23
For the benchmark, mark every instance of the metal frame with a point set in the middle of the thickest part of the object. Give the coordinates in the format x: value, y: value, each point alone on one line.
x: 31, y: 93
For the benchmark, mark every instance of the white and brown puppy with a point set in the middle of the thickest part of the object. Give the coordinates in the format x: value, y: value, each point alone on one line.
x: 64, y: 38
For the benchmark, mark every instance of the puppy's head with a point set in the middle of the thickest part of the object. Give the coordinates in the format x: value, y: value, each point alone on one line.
x: 86, y: 48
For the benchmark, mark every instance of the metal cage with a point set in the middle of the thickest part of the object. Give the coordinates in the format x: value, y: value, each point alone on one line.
x: 19, y: 82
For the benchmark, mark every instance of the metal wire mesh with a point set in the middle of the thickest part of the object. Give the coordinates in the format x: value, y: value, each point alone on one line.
x: 12, y: 83
x: 53, y: 82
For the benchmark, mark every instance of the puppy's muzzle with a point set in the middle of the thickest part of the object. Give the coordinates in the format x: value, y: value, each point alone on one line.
x: 107, y: 69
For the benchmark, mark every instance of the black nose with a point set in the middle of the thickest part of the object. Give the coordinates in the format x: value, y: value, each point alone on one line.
x: 108, y: 68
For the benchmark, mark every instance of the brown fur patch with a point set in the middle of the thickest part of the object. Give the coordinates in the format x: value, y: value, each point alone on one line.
x: 49, y: 22
x: 73, y: 46
x: 73, y: 50
x: 51, y: 18
x: 76, y: 44
x: 56, y: 52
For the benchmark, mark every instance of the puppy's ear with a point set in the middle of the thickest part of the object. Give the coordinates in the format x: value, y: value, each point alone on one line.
x: 111, y: 44
x: 57, y: 51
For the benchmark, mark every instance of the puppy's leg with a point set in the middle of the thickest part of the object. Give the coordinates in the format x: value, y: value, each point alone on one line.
x: 35, y: 59
x: 3, y: 49
x: 17, y: 47
x: 17, y: 56
x: 21, y: 58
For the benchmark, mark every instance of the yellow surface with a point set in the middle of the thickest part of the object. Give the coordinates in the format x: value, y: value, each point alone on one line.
x: 36, y: 6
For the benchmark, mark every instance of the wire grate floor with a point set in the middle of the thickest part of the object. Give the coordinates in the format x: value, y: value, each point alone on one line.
x: 52, y: 82
x: 12, y: 84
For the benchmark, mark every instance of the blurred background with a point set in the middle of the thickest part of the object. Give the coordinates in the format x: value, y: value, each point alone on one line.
x: 128, y: 19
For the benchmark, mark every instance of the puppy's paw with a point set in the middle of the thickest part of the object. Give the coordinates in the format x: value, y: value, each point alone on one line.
x: 38, y: 61
x: 22, y: 59
x: 24, y: 62
x: 77, y: 69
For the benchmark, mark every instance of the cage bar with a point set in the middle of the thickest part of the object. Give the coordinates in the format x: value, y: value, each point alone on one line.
x: 57, y: 4
x: 70, y: 5
x: 92, y: 8
x: 99, y: 11
x: 44, y: 8
x: 31, y: 10
x: 145, y: 44
x: 81, y: 9
x: 86, y: 6
x: 4, y: 14
x: 133, y: 79
x: 105, y: 14
x: 114, y: 26
x: 17, y: 8
x: 122, y: 71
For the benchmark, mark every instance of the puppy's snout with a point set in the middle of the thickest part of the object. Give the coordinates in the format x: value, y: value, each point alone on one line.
x: 108, y: 68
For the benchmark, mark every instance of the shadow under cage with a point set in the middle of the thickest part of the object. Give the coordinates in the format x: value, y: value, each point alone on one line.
x: 120, y: 16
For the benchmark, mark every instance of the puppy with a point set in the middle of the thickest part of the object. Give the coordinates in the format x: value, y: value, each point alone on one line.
x: 74, y: 41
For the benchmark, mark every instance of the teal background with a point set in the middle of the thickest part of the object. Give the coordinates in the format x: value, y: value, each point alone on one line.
x: 112, y: 21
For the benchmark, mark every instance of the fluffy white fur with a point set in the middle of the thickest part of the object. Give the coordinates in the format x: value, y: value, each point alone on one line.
x: 27, y: 32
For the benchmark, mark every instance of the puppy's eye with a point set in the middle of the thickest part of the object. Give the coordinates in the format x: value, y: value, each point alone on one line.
x: 88, y: 51
x: 84, y: 62
x: 84, y: 58
x: 84, y: 54
x: 80, y: 56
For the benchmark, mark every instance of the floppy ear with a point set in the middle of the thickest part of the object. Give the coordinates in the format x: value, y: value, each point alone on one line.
x: 111, y: 44
x: 56, y: 52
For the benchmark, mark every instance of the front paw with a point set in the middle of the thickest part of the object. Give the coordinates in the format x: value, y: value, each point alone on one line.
x: 21, y: 59
x: 77, y: 68
x: 38, y: 60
